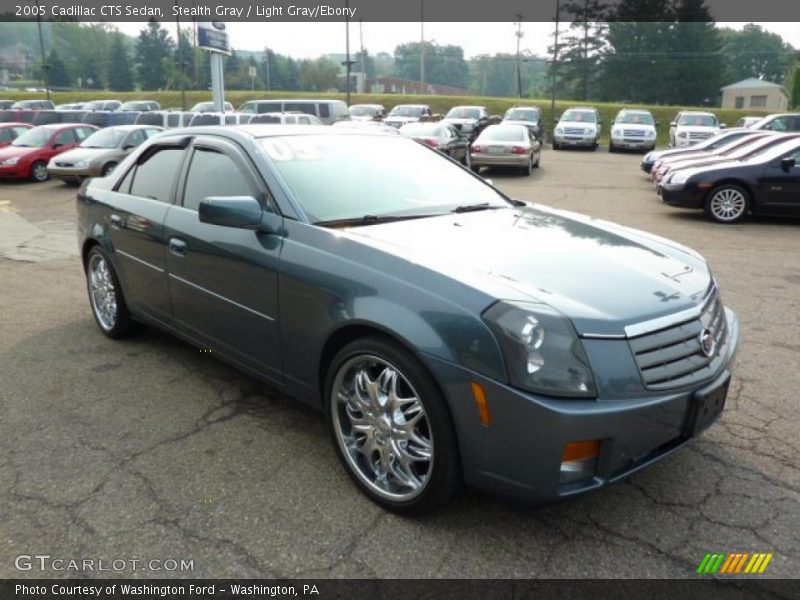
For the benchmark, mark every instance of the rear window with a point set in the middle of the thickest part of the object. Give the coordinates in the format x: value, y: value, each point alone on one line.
x: 503, y: 134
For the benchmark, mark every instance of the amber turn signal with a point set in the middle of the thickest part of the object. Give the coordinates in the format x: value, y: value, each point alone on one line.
x: 581, y: 450
x: 480, y: 402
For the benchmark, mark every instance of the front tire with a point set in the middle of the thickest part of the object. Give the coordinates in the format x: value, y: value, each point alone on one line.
x: 106, y: 298
x: 107, y: 169
x: 391, y: 427
x: 39, y: 172
x: 727, y: 204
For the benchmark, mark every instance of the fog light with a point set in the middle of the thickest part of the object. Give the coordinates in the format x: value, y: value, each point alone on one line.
x: 579, y: 461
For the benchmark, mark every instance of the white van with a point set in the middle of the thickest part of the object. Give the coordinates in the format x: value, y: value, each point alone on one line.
x: 327, y: 111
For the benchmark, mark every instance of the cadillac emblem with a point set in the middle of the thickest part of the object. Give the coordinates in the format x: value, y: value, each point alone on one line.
x: 707, y: 342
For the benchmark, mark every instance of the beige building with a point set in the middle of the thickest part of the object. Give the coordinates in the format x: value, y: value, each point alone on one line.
x: 755, y: 93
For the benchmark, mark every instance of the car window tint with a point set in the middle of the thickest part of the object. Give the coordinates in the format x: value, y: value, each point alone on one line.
x: 213, y: 174
x: 65, y: 138
x: 154, y: 178
x: 125, y: 185
x: 5, y: 135
x: 83, y: 132
x: 324, y: 111
x: 151, y: 132
x: 304, y: 107
x: 18, y: 131
x: 135, y: 138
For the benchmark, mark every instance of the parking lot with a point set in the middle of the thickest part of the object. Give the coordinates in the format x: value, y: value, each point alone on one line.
x: 148, y: 449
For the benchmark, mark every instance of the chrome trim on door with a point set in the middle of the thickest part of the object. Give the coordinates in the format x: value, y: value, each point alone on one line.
x: 228, y: 300
x: 139, y: 260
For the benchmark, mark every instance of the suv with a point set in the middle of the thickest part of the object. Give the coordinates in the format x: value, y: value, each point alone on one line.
x: 691, y: 127
x: 578, y: 127
x: 327, y: 111
x: 633, y: 129
x: 469, y: 120
x: 407, y: 113
x: 530, y: 116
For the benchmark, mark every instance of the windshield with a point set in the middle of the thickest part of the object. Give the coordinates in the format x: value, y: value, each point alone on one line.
x: 35, y: 138
x: 368, y: 175
x: 363, y: 110
x: 579, y: 116
x: 498, y: 133
x: 522, y: 114
x: 406, y: 111
x: 421, y: 129
x: 698, y: 120
x: 634, y: 118
x: 461, y: 112
x: 105, y: 138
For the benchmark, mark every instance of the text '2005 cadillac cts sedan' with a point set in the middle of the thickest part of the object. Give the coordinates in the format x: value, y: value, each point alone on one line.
x: 449, y: 334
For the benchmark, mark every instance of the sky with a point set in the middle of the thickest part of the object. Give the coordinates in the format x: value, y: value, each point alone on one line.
x: 310, y: 40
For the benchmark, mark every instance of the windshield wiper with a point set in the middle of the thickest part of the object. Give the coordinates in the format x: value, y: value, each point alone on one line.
x: 369, y: 220
x: 474, y: 207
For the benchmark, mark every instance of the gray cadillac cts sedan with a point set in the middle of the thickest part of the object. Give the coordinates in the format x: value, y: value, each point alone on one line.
x: 450, y: 335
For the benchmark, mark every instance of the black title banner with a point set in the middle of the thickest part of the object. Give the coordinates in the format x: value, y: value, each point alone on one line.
x: 388, y: 589
x: 397, y: 10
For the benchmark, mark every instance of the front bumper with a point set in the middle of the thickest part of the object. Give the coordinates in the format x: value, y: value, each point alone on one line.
x: 69, y: 173
x: 499, y: 160
x: 15, y: 172
x: 520, y: 453
x: 583, y: 141
x: 681, y: 196
x: 634, y: 144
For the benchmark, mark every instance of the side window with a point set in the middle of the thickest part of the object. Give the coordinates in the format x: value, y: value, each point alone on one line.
x: 65, y: 138
x: 324, y: 110
x: 304, y: 107
x: 266, y: 107
x: 5, y: 135
x: 135, y: 138
x: 213, y: 174
x: 125, y: 185
x: 304, y: 120
x: 83, y: 132
x: 154, y: 178
x: 151, y: 132
x: 290, y: 120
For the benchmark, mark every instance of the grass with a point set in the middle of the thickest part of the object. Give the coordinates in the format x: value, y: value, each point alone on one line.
x: 440, y: 104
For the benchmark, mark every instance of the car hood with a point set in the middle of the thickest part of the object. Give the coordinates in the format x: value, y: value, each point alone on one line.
x: 601, y: 275
x: 634, y: 127
x: 20, y: 151
x: 76, y: 155
x: 697, y: 128
x: 361, y: 118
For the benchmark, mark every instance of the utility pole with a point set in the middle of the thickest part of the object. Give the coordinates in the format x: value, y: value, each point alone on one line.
x: 363, y: 59
x: 266, y: 64
x: 179, y: 58
x: 519, y: 35
x: 45, y: 66
x: 347, y: 62
x: 422, y: 43
x: 554, y: 66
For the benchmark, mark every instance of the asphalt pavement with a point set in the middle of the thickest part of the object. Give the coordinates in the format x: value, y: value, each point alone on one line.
x: 149, y: 450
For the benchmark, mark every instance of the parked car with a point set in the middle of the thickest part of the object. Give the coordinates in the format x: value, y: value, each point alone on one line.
x: 69, y: 106
x: 17, y: 115
x: 109, y: 105
x: 633, y: 129
x: 506, y: 145
x: 33, y: 105
x: 215, y: 118
x: 50, y: 117
x: 415, y: 312
x: 578, y: 127
x: 6, y: 104
x: 286, y: 118
x: 691, y: 127
x: 374, y: 126
x: 407, y: 113
x: 747, y: 121
x: 443, y: 137
x: 139, y: 106
x: 470, y: 120
x: 100, y: 153
x: 110, y: 118
x: 718, y: 141
x: 767, y: 183
x: 165, y: 119
x: 202, y: 107
x: 327, y: 111
x: 779, y: 122
x: 28, y: 155
x: 367, y: 112
x: 11, y: 131
x: 530, y: 116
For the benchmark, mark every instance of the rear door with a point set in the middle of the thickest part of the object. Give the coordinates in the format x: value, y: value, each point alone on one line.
x: 780, y: 187
x: 223, y: 281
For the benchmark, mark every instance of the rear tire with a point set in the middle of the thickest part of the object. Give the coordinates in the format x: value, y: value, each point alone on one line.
x: 391, y: 427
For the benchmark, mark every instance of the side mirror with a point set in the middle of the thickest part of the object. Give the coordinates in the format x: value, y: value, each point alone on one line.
x: 127, y: 147
x: 722, y: 126
x: 57, y: 146
x: 673, y: 123
x: 243, y: 212
x: 555, y: 121
x: 788, y: 163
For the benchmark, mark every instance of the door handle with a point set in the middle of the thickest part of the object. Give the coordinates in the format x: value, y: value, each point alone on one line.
x: 177, y: 247
x: 116, y: 221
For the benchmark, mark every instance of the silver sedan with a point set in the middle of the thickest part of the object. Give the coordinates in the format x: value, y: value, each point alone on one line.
x: 506, y: 146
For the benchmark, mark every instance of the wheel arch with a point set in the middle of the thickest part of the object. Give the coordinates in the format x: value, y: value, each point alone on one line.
x: 738, y: 183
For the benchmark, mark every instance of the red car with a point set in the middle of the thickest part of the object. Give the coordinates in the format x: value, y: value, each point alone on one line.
x: 27, y: 156
x: 11, y: 131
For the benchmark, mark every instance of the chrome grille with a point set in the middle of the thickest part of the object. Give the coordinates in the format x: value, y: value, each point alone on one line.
x: 574, y: 131
x: 700, y: 135
x: 673, y: 357
x: 633, y: 133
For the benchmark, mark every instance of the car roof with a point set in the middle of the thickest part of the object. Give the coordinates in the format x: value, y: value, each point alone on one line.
x: 468, y: 106
x: 259, y: 131
x: 14, y: 124
x: 130, y: 127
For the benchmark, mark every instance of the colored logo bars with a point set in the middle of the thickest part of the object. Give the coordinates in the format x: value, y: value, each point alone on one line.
x: 742, y: 562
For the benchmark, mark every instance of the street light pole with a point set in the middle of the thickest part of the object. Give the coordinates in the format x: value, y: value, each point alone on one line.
x: 554, y: 67
x: 519, y: 35
x: 347, y: 61
x: 45, y: 66
x: 179, y: 58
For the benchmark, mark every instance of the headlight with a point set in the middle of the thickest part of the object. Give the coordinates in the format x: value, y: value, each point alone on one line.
x: 679, y: 177
x: 559, y: 131
x: 542, y: 351
x: 84, y: 164
x: 650, y: 133
x: 683, y: 135
x: 617, y: 133
x: 10, y: 161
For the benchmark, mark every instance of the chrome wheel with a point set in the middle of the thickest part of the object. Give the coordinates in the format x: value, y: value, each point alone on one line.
x: 40, y: 171
x: 728, y: 204
x: 102, y: 292
x: 382, y: 428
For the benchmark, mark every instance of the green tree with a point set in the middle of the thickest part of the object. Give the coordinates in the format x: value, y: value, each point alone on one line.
x: 444, y: 65
x: 90, y: 75
x: 581, y: 49
x: 320, y: 74
x: 695, y: 65
x: 57, y: 71
x: 754, y: 52
x: 153, y: 53
x: 120, y: 72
